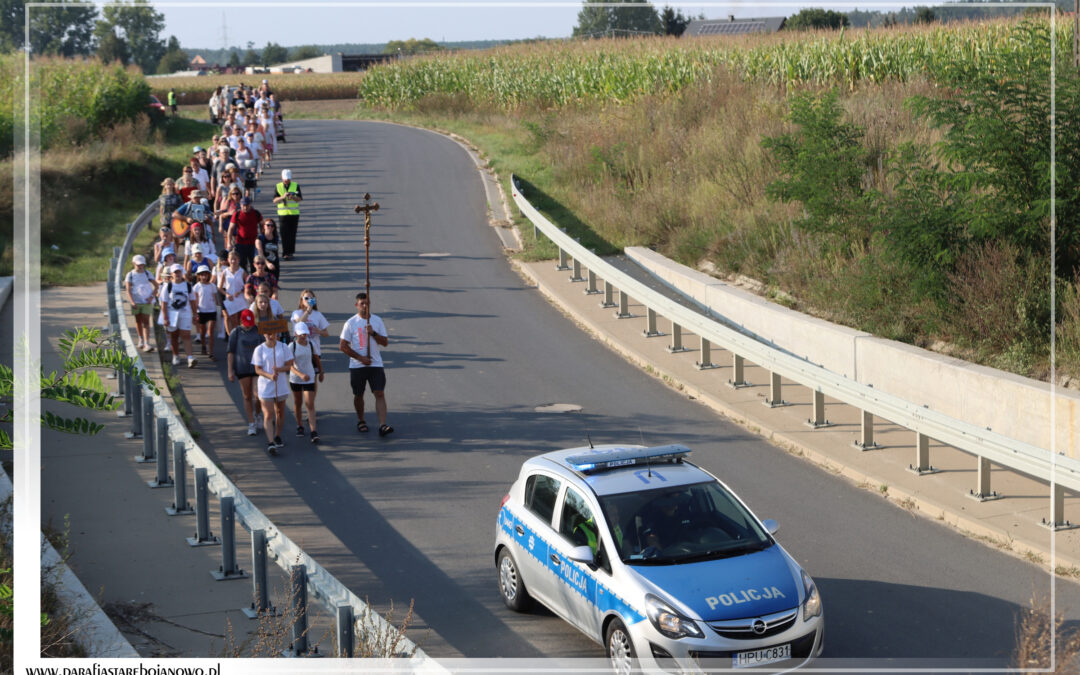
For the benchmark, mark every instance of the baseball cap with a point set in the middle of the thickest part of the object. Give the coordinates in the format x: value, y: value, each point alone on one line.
x: 264, y: 82
x: 302, y: 329
x: 286, y: 174
x: 167, y: 251
x: 245, y: 200
x: 202, y: 268
x: 230, y: 165
x: 247, y: 318
x: 197, y: 149
x: 139, y: 260
x: 176, y: 268
x: 197, y: 248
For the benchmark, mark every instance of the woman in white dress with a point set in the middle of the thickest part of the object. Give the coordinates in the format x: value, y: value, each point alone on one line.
x: 231, y: 282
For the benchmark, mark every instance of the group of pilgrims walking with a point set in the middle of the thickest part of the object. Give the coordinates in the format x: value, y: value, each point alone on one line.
x: 225, y: 297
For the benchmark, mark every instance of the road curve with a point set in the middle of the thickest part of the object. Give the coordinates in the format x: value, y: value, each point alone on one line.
x: 474, y: 351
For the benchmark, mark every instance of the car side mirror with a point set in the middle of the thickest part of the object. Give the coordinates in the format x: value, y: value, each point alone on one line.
x: 771, y: 526
x: 582, y: 554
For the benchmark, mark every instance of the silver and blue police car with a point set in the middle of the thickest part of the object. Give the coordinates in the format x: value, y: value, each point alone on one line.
x: 656, y: 559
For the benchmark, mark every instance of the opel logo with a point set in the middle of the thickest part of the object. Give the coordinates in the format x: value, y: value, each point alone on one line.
x: 758, y: 627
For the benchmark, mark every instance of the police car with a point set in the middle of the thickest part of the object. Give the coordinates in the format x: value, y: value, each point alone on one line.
x: 656, y: 559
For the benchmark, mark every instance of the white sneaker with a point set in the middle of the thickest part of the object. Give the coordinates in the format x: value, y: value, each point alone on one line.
x: 197, y: 339
x: 251, y: 429
x: 175, y: 360
x: 191, y: 362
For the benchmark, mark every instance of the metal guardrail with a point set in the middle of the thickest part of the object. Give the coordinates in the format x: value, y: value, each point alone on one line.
x: 323, y: 586
x: 1022, y: 457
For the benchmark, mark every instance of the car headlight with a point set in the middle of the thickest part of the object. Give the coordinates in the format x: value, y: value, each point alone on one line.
x: 669, y: 622
x: 812, y: 605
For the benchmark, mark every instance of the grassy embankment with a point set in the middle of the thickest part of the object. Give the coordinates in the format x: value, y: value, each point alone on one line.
x: 101, y: 161
x: 657, y: 142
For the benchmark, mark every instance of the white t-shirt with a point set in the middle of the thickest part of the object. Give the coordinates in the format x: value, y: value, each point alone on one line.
x: 206, y: 296
x: 355, y: 333
x: 141, y: 287
x: 275, y: 307
x: 268, y: 359
x: 315, y: 322
x: 302, y: 362
x: 208, y: 249
x: 203, y: 179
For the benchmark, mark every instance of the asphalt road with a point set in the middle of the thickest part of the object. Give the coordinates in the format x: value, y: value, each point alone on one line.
x: 473, y: 352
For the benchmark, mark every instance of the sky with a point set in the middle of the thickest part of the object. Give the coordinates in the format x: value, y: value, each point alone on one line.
x: 211, y: 24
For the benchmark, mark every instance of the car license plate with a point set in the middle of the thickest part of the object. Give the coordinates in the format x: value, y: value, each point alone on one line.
x: 761, y: 657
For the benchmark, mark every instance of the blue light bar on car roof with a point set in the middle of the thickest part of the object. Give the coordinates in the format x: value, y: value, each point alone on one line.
x: 612, y: 458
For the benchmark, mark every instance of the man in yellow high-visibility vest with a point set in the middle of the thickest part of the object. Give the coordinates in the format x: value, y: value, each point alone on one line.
x: 288, y: 209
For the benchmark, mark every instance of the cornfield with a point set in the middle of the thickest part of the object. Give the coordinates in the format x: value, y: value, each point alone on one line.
x: 287, y: 87
x: 71, y: 101
x: 557, y: 74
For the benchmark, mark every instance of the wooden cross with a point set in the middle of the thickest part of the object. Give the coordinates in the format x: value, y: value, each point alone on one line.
x: 367, y: 208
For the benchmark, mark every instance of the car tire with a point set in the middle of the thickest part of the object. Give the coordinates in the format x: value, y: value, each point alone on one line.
x: 620, y: 648
x: 511, y: 586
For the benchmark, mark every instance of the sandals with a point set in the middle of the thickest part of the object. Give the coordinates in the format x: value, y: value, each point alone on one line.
x: 385, y: 429
x: 362, y: 426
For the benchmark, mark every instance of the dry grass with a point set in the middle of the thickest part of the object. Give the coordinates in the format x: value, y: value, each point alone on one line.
x: 1034, y: 632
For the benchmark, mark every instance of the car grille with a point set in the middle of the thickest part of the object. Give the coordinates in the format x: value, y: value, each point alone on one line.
x: 743, y: 629
x: 800, y: 649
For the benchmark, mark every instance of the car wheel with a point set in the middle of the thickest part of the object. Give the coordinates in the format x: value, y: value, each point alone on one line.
x: 511, y: 587
x: 620, y: 648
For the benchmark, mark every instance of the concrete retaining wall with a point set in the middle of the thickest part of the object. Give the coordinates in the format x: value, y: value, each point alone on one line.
x: 1011, y: 405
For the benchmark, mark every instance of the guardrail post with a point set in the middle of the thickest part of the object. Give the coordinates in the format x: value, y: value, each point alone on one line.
x: 738, y: 372
x: 775, y: 399
x: 135, y: 393
x: 228, y: 569
x: 676, y: 346
x: 1057, y: 511
x: 706, y: 356
x: 261, y: 605
x: 591, y: 289
x: 609, y: 295
x: 162, y: 452
x: 624, y: 306
x: 147, y: 428
x: 651, y: 329
x: 577, y: 268
x: 922, y: 456
x: 298, y: 577
x: 817, y: 420
x: 180, y: 506
x: 203, y: 535
x: 564, y: 260
x: 982, y: 492
x: 346, y: 636
x: 866, y: 437
x: 125, y: 386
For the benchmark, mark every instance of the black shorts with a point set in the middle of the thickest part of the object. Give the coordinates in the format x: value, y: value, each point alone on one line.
x: 358, y: 377
x: 242, y: 377
x: 302, y: 386
x: 206, y: 317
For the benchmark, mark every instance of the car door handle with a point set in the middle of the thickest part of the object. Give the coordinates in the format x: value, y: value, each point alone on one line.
x: 520, y: 530
x: 555, y: 559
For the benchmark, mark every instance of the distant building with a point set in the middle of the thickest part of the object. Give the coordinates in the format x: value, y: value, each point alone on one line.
x: 733, y: 26
x: 332, y: 63
x: 198, y: 63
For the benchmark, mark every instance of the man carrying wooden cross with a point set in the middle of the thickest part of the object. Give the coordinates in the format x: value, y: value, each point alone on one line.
x: 363, y: 335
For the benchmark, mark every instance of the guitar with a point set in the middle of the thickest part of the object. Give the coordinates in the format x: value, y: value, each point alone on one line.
x: 180, y: 226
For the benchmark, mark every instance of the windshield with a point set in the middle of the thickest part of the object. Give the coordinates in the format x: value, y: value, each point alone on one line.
x: 680, y: 525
